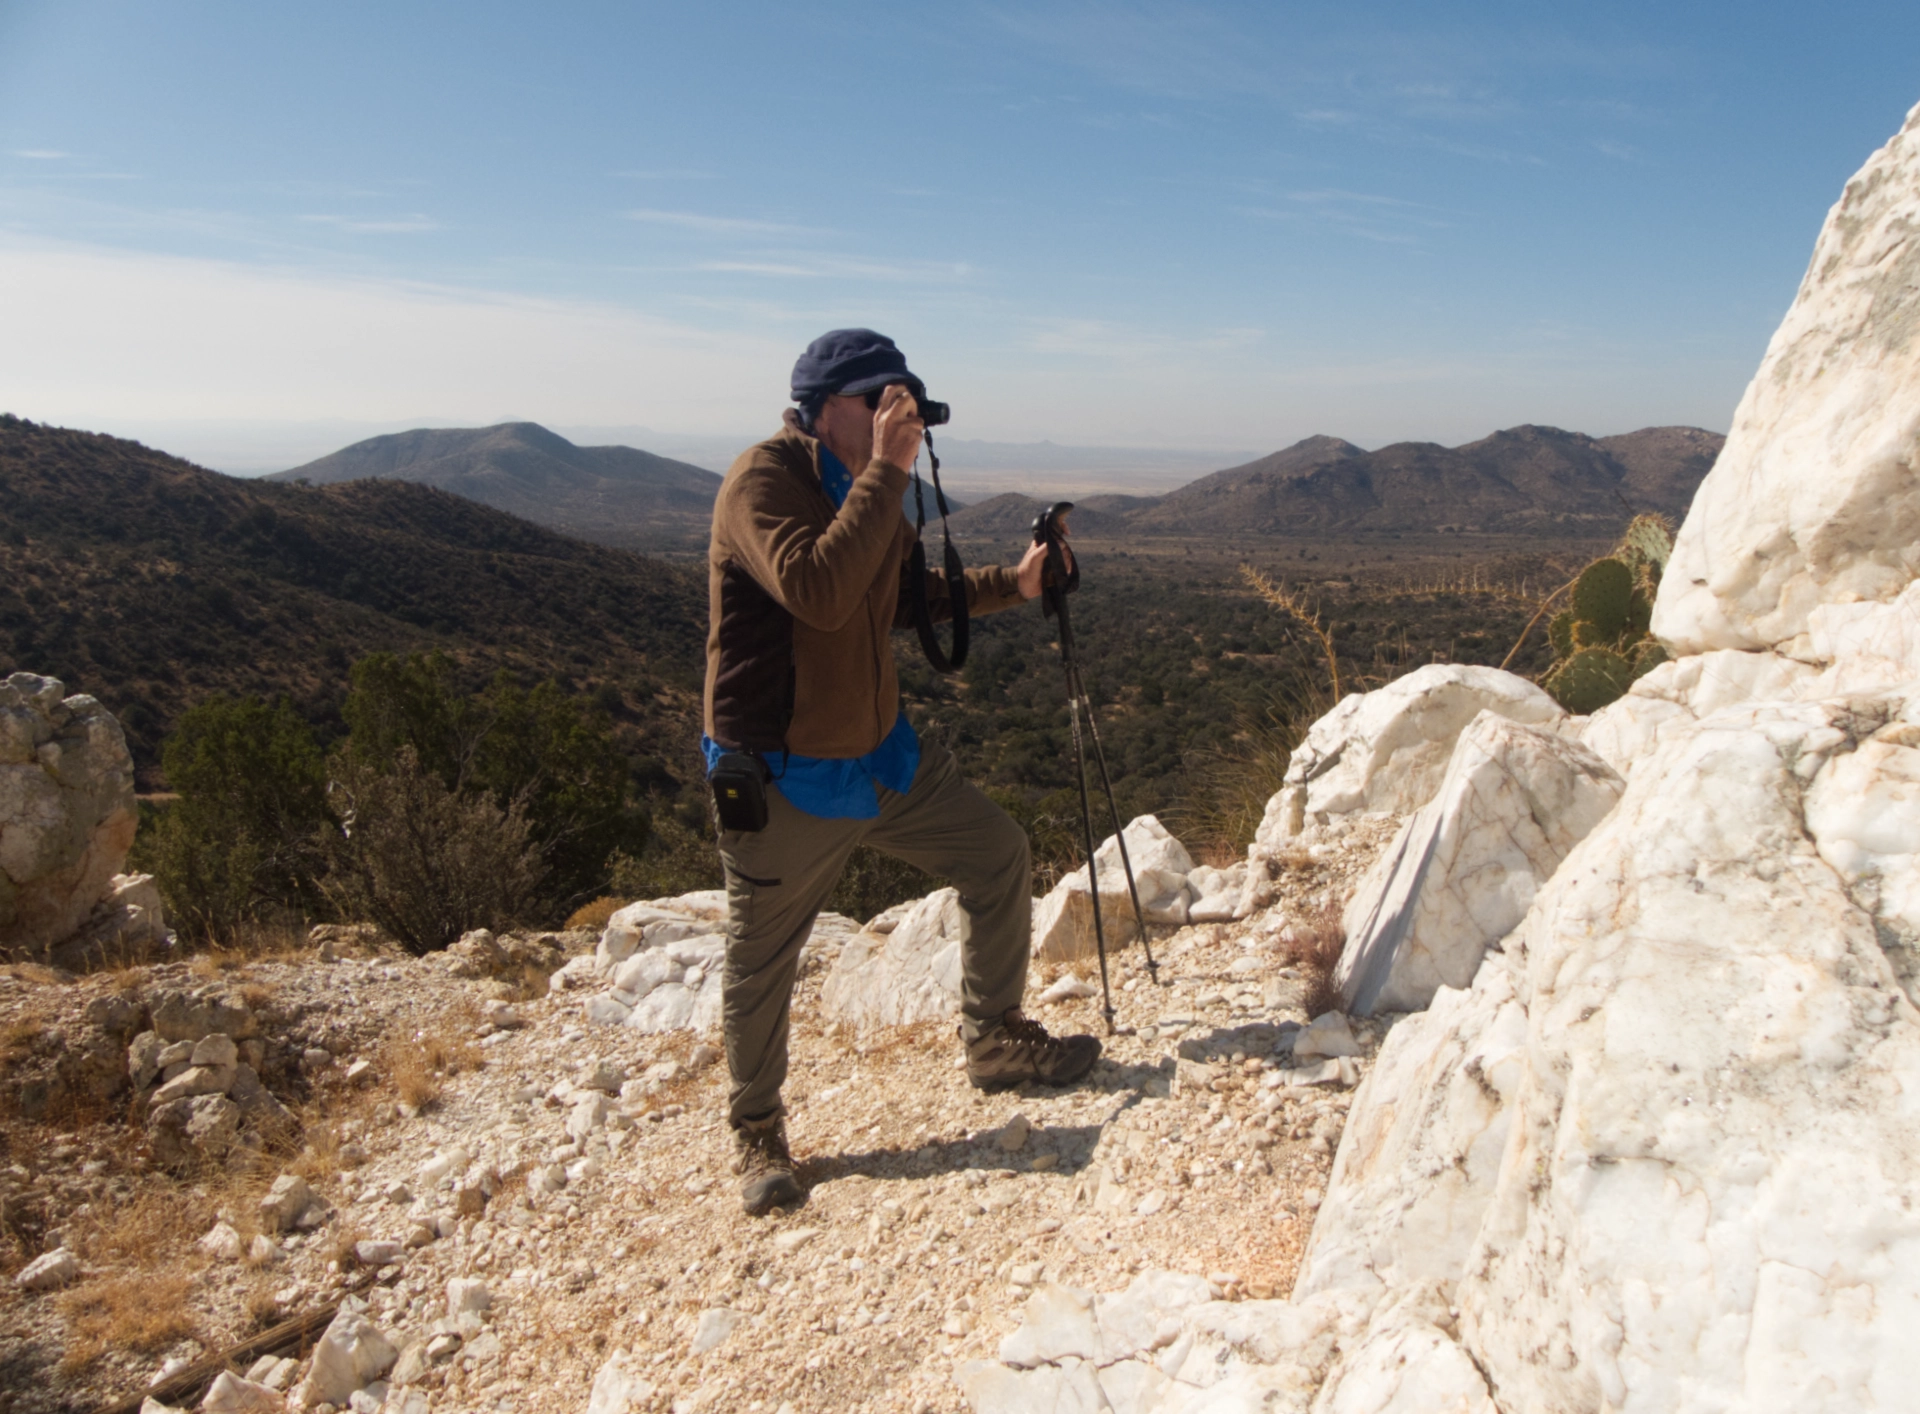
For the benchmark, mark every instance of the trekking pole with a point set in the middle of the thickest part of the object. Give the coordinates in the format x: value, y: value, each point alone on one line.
x: 1049, y: 531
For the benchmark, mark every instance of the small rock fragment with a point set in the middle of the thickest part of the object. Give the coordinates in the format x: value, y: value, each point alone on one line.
x: 618, y: 1388
x: 49, y: 1271
x: 715, y: 1325
x: 223, y: 1242
x: 232, y: 1395
x: 467, y: 1294
x: 1013, y: 1134
x: 605, y: 1076
x: 215, y: 1050
x: 1067, y: 988
x: 285, y: 1203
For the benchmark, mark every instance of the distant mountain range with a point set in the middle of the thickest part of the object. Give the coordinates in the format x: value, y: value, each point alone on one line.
x: 613, y: 495
x: 1525, y: 480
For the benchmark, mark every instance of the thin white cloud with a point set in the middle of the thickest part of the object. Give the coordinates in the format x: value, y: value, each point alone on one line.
x: 842, y: 268
x: 40, y: 154
x: 718, y: 225
x: 668, y: 174
x: 354, y: 225
x: 98, y: 335
x: 1389, y: 220
x: 1108, y: 340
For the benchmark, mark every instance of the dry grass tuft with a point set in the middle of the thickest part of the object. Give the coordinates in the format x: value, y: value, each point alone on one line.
x: 36, y: 972
x: 16, y: 1041
x: 118, y: 1313
x: 1314, y: 946
x: 595, y: 914
x: 257, y: 993
x: 147, y: 1231
x: 420, y: 1065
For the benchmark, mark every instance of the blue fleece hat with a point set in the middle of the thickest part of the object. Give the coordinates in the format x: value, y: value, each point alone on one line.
x: 848, y: 361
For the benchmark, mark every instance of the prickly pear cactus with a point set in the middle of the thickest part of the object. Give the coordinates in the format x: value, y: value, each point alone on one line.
x: 1590, y: 679
x: 1601, y: 598
x: 1601, y: 643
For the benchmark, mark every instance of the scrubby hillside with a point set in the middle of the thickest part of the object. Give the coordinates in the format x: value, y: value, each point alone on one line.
x: 612, y: 495
x: 152, y: 583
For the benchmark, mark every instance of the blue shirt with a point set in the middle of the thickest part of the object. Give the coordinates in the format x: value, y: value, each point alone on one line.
x: 840, y: 788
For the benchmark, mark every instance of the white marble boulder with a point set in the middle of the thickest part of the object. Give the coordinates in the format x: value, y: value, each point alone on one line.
x: 659, y: 965
x: 1704, y: 1194
x: 1804, y: 539
x: 66, y: 811
x: 1422, y: 1147
x: 1387, y: 750
x: 1706, y: 1200
x: 1063, y: 920
x: 910, y: 972
x: 1464, y: 868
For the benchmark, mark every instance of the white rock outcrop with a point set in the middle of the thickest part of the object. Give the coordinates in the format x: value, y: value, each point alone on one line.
x: 1660, y: 1155
x: 909, y: 973
x: 1063, y: 920
x: 659, y: 964
x: 66, y: 811
x: 1804, y: 539
x: 1387, y: 750
x: 1464, y: 868
x: 1163, y: 1346
x: 1423, y: 1146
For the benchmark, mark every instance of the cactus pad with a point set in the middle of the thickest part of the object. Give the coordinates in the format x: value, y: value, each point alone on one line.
x: 1560, y: 633
x: 1649, y: 539
x: 1602, y: 597
x: 1590, y: 679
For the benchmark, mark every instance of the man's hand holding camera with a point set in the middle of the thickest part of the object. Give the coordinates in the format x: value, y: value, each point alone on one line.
x: 897, y: 428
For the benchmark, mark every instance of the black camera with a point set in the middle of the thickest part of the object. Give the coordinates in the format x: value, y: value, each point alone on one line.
x: 931, y: 413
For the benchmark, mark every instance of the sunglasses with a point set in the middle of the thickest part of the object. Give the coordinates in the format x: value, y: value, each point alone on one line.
x: 873, y: 395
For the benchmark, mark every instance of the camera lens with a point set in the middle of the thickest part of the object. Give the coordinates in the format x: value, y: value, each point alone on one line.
x: 932, y: 413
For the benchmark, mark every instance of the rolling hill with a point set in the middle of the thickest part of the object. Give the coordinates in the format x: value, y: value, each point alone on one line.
x: 613, y: 495
x: 1524, y: 480
x: 152, y: 583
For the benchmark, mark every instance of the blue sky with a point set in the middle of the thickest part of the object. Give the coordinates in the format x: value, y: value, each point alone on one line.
x: 1207, y: 226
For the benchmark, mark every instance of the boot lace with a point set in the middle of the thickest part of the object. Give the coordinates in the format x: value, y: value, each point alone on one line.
x: 1023, y: 1030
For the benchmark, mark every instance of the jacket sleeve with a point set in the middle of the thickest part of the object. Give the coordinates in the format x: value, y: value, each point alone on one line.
x: 989, y: 590
x: 818, y: 576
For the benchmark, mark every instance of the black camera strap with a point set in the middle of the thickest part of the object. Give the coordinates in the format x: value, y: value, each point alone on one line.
x: 917, y: 572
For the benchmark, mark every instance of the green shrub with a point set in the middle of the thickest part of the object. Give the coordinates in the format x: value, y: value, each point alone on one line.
x: 551, y: 753
x: 239, y: 844
x: 424, y: 862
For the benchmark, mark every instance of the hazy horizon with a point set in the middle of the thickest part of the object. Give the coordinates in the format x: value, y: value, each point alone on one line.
x: 1210, y: 230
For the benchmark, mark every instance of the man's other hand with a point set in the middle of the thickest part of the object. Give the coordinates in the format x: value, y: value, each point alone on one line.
x: 897, y: 428
x: 1033, y: 566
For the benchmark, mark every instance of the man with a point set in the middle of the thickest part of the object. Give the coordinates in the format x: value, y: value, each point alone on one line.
x: 805, y: 576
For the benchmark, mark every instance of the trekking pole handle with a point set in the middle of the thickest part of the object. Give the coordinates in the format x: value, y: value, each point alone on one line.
x: 1061, y: 575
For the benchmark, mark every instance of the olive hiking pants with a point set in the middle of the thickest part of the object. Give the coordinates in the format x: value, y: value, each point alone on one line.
x: 778, y: 878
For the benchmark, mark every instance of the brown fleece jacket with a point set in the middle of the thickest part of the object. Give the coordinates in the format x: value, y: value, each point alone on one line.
x: 801, y: 601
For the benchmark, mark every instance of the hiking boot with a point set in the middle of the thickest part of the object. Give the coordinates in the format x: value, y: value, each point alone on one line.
x: 765, y: 1167
x: 1019, y: 1049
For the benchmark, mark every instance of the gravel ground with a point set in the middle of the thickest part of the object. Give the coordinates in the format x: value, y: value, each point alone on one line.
x: 932, y: 1209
